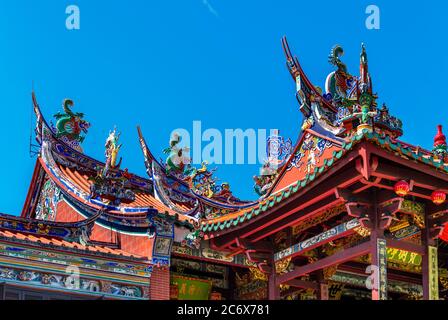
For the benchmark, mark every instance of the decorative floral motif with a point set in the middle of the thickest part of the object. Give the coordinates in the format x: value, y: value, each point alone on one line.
x: 312, y: 149
x: 278, y: 151
x: 193, y: 239
x: 283, y: 266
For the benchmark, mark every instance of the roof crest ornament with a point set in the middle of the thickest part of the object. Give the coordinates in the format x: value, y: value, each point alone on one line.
x: 70, y: 126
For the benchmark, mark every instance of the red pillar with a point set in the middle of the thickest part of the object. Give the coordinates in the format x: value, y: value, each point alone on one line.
x: 273, y: 288
x: 378, y: 253
x: 323, y: 291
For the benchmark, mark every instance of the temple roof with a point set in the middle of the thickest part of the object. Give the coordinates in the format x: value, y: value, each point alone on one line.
x: 336, y: 120
x: 74, y: 172
x: 268, y: 204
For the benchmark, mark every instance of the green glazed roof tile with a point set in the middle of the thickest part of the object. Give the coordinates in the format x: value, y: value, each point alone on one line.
x: 279, y: 197
x: 295, y: 188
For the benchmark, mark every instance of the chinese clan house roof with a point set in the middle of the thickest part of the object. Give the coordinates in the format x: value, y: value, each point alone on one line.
x: 337, y: 118
x: 92, y: 183
x: 343, y: 115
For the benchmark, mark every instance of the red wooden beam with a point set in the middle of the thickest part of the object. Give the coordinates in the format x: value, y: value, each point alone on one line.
x: 416, y: 192
x: 337, y: 258
x: 366, y: 186
x: 259, y: 228
x: 296, y: 283
x: 295, y: 219
x: 422, y: 174
x: 311, y: 196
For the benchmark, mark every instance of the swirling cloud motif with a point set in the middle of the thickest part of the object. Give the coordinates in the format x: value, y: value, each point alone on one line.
x: 210, y: 7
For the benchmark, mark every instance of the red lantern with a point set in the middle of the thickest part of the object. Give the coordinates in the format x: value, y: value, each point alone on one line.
x: 438, y: 197
x: 444, y: 235
x: 401, y: 188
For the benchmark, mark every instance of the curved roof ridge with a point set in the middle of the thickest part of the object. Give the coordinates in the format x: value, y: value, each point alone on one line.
x: 42, y: 121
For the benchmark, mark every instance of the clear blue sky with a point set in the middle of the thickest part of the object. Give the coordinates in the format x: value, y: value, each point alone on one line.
x: 164, y: 64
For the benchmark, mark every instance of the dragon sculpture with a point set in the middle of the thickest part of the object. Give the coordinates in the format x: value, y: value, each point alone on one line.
x: 339, y: 81
x: 265, y: 180
x: 70, y: 124
x: 177, y: 163
x: 200, y: 180
x: 334, y: 58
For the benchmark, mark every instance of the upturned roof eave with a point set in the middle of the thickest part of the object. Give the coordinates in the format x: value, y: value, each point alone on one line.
x: 236, y: 221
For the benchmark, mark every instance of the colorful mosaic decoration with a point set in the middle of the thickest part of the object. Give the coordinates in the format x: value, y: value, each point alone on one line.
x: 46, y: 208
x: 163, y: 241
x: 46, y: 255
x: 311, y: 151
x: 318, y: 239
x: 68, y: 282
x: 278, y: 150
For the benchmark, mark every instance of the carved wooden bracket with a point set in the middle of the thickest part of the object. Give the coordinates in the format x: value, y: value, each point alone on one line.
x: 265, y: 268
x: 388, y: 210
x: 348, y: 196
x: 257, y: 253
x: 360, y: 211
